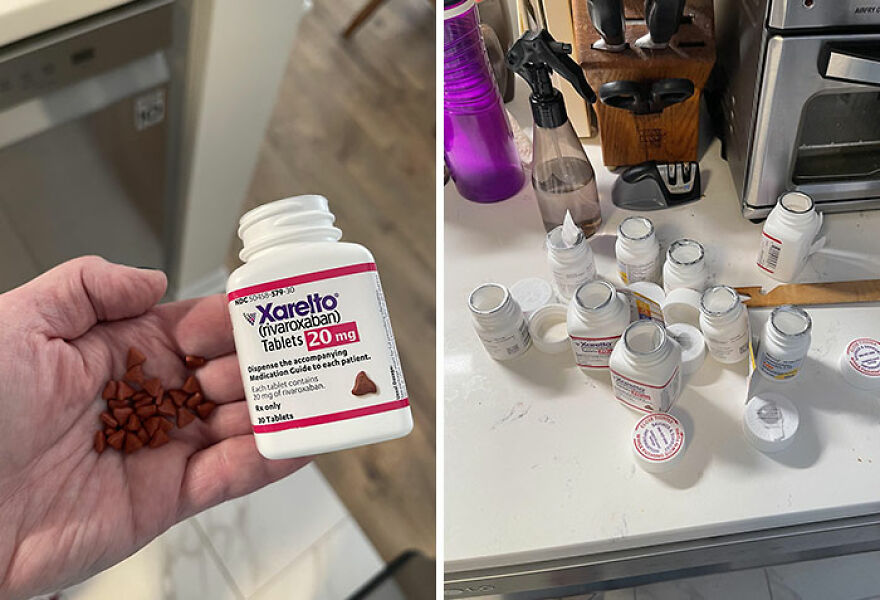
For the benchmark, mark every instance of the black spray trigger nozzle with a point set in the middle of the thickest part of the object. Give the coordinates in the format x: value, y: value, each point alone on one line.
x: 536, y: 54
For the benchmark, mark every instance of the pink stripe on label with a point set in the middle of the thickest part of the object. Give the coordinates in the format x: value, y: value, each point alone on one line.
x: 333, y: 417
x: 299, y: 279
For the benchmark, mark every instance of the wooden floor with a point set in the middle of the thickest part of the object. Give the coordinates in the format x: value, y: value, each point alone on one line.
x: 355, y: 122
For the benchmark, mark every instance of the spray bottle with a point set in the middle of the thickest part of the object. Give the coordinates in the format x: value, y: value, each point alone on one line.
x: 562, y: 175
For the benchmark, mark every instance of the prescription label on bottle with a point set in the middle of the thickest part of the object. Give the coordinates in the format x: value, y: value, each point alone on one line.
x: 778, y: 368
x: 632, y: 273
x: 510, y: 345
x: 734, y: 348
x: 567, y: 283
x: 645, y: 397
x: 316, y: 348
x: 658, y: 437
x: 593, y: 353
x: 771, y: 248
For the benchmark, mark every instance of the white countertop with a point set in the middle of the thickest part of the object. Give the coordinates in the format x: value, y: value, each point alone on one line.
x: 537, y: 457
x: 23, y: 18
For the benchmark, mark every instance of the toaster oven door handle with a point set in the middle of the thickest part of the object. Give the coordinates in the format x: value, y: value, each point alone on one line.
x: 856, y: 63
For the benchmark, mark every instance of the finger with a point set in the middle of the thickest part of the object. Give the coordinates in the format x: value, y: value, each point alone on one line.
x: 71, y: 298
x: 227, y: 470
x: 220, y: 379
x: 227, y: 421
x: 200, y: 327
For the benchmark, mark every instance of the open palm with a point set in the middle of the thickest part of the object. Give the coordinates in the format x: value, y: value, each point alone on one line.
x: 67, y: 512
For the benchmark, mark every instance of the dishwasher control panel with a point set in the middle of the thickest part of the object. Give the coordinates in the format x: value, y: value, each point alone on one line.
x: 46, y: 62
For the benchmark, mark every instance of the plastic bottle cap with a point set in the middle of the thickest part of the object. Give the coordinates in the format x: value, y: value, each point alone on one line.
x: 682, y: 305
x: 548, y: 328
x: 770, y: 421
x: 658, y: 442
x: 531, y: 294
x: 693, y: 346
x: 860, y: 364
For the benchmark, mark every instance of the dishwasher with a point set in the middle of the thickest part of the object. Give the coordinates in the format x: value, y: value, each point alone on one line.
x: 86, y: 149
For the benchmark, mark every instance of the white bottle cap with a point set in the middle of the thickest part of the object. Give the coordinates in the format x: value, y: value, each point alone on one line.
x: 770, y: 421
x: 860, y: 364
x: 693, y: 346
x: 658, y: 442
x: 548, y: 329
x: 682, y: 305
x: 531, y: 294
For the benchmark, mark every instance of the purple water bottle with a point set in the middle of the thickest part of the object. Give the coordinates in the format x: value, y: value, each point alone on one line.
x: 477, y: 139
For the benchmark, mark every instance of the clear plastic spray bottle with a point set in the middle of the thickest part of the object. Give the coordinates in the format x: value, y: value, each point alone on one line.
x: 562, y: 175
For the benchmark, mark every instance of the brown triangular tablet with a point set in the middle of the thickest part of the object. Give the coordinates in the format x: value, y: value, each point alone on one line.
x: 124, y: 391
x: 363, y: 385
x: 100, y: 443
x: 114, y: 403
x: 146, y: 411
x: 151, y: 425
x: 194, y: 400
x: 116, y: 439
x: 121, y: 415
x: 191, y: 385
x: 135, y: 374
x: 160, y: 438
x: 133, y: 423
x: 178, y: 397
x: 166, y: 407
x: 135, y: 358
x: 142, y: 436
x: 194, y: 362
x: 205, y: 409
x: 184, y: 417
x: 108, y: 420
x: 109, y: 390
x: 132, y: 443
x: 153, y: 387
x: 166, y: 425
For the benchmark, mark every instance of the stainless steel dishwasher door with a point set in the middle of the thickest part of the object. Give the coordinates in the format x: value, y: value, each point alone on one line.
x: 84, y: 143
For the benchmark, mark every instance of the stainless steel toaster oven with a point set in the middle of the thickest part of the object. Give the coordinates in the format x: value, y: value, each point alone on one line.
x: 800, y: 100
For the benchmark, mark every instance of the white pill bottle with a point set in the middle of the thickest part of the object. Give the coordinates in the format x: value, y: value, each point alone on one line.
x: 789, y: 236
x: 597, y: 316
x: 637, y: 251
x: 314, y: 341
x: 724, y: 322
x: 499, y: 321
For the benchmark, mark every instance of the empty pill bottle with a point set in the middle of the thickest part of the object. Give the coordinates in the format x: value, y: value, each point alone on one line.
x: 725, y: 324
x: 571, y: 264
x: 685, y: 266
x: 597, y: 316
x: 646, y: 368
x: 499, y: 321
x: 789, y: 236
x: 637, y: 250
x: 313, y: 336
x: 785, y: 341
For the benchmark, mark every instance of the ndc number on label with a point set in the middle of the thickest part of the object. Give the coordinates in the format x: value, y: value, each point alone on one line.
x: 263, y: 295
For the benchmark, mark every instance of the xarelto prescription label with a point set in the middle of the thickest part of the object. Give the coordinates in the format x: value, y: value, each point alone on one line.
x: 645, y: 397
x: 316, y: 348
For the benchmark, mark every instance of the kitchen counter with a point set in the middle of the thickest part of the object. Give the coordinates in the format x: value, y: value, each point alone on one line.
x: 24, y: 18
x: 537, y: 459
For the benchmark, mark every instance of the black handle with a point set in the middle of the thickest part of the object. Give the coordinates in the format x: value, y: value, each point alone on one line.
x: 667, y: 92
x: 607, y: 17
x: 628, y: 95
x: 663, y: 18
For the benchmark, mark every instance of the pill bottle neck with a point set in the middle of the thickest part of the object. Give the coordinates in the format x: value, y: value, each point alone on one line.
x: 492, y: 306
x: 292, y: 221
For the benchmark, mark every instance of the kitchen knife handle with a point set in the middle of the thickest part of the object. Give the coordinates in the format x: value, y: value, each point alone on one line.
x: 607, y: 17
x: 663, y: 18
x: 627, y: 95
x: 667, y: 92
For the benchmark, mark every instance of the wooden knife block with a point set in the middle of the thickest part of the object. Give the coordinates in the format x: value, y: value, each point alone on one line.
x: 670, y: 136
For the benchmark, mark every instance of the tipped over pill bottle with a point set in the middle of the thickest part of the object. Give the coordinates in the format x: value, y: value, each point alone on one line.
x: 314, y: 341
